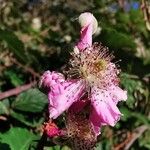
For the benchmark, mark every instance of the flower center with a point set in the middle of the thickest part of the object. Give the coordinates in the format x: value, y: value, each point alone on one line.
x: 91, y: 69
x: 94, y: 66
x: 100, y: 65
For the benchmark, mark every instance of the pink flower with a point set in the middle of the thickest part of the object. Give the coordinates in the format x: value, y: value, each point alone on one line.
x: 91, y: 76
x: 62, y: 93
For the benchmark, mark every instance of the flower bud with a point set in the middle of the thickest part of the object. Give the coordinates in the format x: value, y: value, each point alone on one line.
x: 87, y: 18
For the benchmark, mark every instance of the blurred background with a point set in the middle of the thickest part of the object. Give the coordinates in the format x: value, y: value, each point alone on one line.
x: 37, y: 35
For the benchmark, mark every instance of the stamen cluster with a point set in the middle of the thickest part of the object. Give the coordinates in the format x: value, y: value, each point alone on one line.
x: 94, y: 66
x: 80, y: 132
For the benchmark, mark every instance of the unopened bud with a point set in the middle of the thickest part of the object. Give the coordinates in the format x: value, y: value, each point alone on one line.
x: 87, y: 18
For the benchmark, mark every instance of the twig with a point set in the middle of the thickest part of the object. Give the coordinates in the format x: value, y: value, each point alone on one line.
x: 137, y: 133
x: 121, y: 145
x: 3, y: 118
x: 146, y: 12
x: 16, y: 90
x: 42, y: 141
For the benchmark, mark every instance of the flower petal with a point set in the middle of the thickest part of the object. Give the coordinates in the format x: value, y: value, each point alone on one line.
x: 95, y: 121
x: 49, y: 79
x: 86, y: 37
x: 117, y: 94
x: 63, y: 95
x: 104, y: 109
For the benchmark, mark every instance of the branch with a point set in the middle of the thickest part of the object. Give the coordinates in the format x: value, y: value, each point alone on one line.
x: 137, y: 133
x: 42, y: 141
x: 121, y: 145
x: 146, y: 13
x: 16, y: 90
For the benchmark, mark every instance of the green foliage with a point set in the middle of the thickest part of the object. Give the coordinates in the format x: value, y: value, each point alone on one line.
x: 13, y: 77
x: 18, y: 138
x: 30, y: 101
x: 140, y: 118
x: 131, y: 86
x: 57, y: 148
x: 28, y: 120
x: 144, y: 141
x: 15, y: 45
x: 4, y: 107
x: 111, y: 36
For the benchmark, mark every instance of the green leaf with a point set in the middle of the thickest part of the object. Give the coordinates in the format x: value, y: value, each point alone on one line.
x: 138, y: 23
x: 65, y: 148
x: 26, y: 119
x: 15, y: 45
x: 105, y: 144
x: 13, y: 77
x: 129, y: 114
x: 30, y: 101
x: 131, y: 85
x: 18, y: 138
x: 98, y: 146
x: 117, y: 40
x: 4, y: 107
x: 123, y: 17
x: 53, y: 148
x: 57, y: 147
x: 144, y: 140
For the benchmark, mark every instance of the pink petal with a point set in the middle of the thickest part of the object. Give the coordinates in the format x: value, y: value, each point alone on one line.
x: 96, y: 123
x: 104, y: 109
x: 63, y: 95
x: 86, y: 37
x: 117, y: 94
x: 49, y: 79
